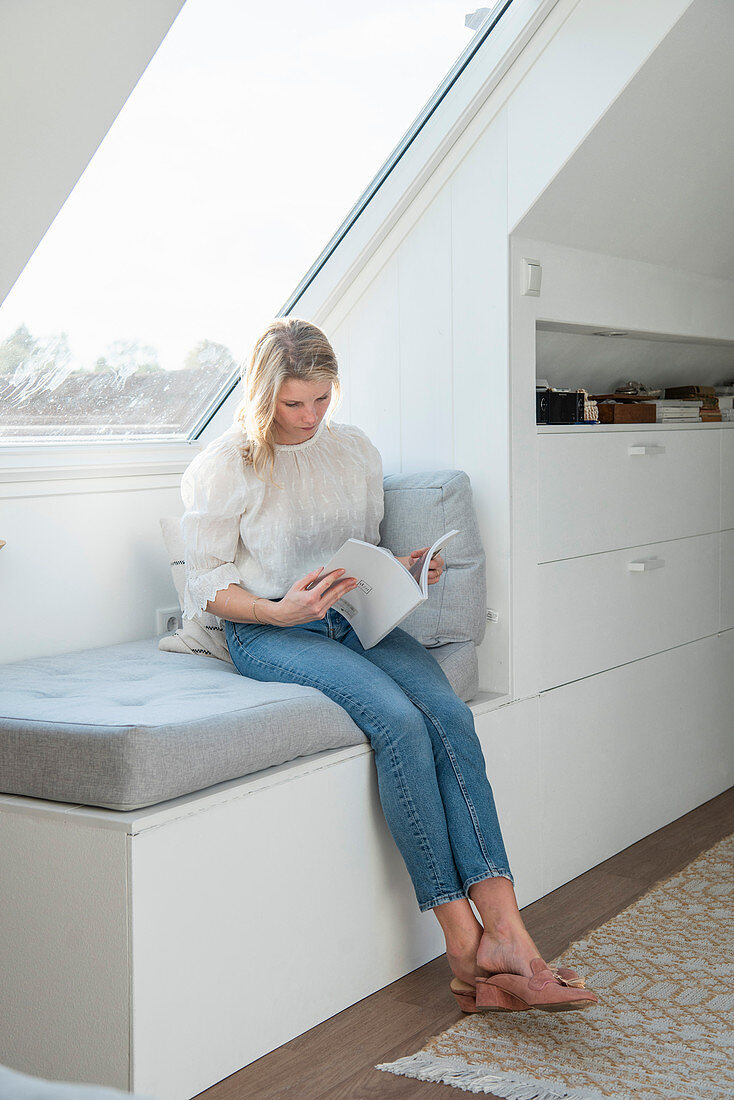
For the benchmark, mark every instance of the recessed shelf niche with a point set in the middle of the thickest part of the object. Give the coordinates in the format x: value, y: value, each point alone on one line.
x: 576, y: 356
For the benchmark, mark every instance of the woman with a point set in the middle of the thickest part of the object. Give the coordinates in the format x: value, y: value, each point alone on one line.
x: 253, y: 548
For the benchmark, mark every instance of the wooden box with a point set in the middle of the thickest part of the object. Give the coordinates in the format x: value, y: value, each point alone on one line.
x: 627, y: 412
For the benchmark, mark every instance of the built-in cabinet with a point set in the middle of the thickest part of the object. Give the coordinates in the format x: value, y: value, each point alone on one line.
x: 633, y: 748
x: 632, y: 551
x: 727, y: 580
x: 622, y: 575
x: 601, y: 610
x: 727, y: 481
x: 601, y: 490
x: 635, y: 575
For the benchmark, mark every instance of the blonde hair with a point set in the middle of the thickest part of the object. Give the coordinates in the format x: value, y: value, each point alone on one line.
x: 289, y: 348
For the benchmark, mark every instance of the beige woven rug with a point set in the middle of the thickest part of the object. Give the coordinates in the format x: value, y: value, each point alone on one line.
x: 664, y: 972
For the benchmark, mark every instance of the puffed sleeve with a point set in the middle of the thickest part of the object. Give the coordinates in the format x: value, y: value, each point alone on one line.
x: 213, y: 489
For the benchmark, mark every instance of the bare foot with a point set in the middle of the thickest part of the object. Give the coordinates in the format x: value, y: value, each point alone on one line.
x: 507, y: 952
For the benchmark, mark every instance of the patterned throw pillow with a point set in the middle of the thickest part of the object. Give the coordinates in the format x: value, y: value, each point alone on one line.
x: 205, y: 633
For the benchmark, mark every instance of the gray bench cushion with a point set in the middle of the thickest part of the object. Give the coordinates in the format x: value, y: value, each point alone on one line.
x: 128, y: 726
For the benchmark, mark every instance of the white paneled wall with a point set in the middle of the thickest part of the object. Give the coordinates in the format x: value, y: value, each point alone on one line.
x: 418, y: 312
x: 423, y: 356
x: 425, y: 348
x: 481, y: 377
x: 367, y: 344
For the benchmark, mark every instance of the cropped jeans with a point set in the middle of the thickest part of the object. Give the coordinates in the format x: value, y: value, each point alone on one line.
x: 431, y: 773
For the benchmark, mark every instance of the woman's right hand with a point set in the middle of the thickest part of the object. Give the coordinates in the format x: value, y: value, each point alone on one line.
x: 302, y: 604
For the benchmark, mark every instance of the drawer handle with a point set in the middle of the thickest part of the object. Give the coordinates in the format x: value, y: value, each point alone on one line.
x: 645, y: 566
x: 646, y: 449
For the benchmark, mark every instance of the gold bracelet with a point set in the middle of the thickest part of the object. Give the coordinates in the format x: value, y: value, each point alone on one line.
x: 254, y: 612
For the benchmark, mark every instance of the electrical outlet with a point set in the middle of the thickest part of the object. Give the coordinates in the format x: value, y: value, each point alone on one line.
x: 492, y: 615
x: 168, y: 620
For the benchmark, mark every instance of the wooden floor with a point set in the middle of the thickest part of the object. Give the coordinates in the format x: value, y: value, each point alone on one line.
x: 335, y: 1061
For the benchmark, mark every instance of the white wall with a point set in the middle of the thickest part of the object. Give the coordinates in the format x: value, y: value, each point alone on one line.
x: 84, y: 563
x: 424, y: 349
x: 418, y: 313
x: 607, y: 292
x: 661, y: 157
x: 419, y: 318
x: 584, y: 67
x: 421, y: 339
x: 66, y: 69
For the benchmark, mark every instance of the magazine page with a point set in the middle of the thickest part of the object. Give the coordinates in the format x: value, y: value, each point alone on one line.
x: 357, y: 553
x: 387, y: 591
x: 419, y: 568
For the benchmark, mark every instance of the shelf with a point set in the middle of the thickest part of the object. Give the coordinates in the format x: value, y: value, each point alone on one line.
x: 572, y: 429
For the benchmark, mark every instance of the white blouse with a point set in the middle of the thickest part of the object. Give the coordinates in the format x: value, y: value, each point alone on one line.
x: 240, y: 529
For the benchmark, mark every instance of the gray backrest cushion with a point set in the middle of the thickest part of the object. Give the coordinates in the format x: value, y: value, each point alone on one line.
x: 419, y: 508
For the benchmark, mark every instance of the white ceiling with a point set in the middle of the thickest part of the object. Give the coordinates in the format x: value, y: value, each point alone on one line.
x: 654, y: 180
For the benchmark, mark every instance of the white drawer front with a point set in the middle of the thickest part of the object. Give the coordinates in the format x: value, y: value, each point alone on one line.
x: 727, y: 580
x: 637, y: 746
x: 727, y: 478
x: 605, y: 610
x: 615, y: 489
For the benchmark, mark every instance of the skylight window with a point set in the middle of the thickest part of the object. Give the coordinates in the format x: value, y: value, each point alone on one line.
x: 244, y: 145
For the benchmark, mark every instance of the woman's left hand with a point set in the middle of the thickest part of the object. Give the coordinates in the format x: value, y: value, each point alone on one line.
x: 436, y: 567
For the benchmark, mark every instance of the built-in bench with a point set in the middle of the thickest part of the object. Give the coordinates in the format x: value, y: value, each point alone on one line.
x: 196, y: 866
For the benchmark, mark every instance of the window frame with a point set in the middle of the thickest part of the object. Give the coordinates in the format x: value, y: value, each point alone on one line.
x: 446, y: 114
x: 456, y: 100
x: 64, y: 468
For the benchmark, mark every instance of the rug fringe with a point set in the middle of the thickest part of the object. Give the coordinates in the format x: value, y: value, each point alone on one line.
x: 474, y: 1077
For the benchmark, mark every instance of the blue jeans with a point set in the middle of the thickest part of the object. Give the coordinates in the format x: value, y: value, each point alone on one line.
x: 431, y: 773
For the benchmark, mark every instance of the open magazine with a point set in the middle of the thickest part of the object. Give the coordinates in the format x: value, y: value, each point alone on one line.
x: 387, y: 591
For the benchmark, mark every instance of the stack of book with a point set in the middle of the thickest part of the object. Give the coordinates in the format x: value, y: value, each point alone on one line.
x: 668, y: 411
x: 704, y: 396
x: 725, y: 395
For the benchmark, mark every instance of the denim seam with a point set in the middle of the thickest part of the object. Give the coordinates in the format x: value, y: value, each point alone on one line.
x: 459, y: 777
x: 442, y: 899
x: 506, y: 873
x: 420, y: 832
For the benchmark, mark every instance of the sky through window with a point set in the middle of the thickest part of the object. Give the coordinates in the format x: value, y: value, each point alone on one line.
x: 246, y: 142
